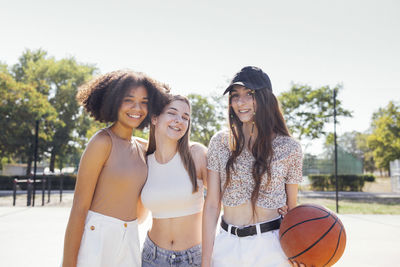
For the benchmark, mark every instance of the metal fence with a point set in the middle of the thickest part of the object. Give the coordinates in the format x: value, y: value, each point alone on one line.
x: 347, y: 164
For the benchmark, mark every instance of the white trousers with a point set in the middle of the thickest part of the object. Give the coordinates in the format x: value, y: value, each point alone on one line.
x: 108, y: 241
x: 261, y: 250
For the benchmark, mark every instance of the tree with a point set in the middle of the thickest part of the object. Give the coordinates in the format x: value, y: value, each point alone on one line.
x: 385, y: 137
x: 20, y: 107
x: 3, y: 68
x: 205, y: 119
x: 58, y: 81
x: 368, y: 156
x: 65, y: 77
x: 33, y: 68
x: 308, y: 110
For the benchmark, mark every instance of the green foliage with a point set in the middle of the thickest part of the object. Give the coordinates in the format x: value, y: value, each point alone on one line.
x: 57, y: 81
x: 20, y: 107
x: 142, y: 134
x: 39, y: 87
x: 205, y: 118
x: 385, y: 137
x: 3, y: 68
x: 33, y: 68
x: 308, y: 110
x: 65, y: 77
x: 347, y: 182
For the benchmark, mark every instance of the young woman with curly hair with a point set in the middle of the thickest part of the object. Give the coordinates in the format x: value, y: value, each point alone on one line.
x: 103, y: 225
x: 253, y: 169
x: 174, y: 189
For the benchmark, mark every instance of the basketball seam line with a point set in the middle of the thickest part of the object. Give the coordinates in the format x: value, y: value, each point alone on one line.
x: 316, y: 242
x: 313, y: 219
x: 337, y: 246
x: 311, y: 206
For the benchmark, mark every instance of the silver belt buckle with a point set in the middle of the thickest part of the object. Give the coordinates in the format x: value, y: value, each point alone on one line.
x: 236, y: 231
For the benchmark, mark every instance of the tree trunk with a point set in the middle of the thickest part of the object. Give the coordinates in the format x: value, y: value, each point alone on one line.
x: 29, y: 166
x: 52, y: 160
x: 60, y: 164
x: 29, y: 159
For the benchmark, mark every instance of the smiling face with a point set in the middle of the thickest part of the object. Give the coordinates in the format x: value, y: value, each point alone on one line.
x: 243, y: 103
x: 133, y: 109
x: 173, y: 122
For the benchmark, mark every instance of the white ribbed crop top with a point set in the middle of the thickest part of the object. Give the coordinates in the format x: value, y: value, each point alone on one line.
x: 168, y: 191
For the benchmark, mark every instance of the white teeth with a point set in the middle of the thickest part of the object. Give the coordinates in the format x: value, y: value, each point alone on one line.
x: 134, y: 116
x: 243, y: 111
x: 175, y: 128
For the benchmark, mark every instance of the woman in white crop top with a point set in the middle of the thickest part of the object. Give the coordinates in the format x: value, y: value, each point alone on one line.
x: 174, y: 189
x: 253, y: 169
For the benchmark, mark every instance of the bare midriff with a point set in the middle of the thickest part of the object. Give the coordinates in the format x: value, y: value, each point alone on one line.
x: 177, y: 234
x: 243, y: 214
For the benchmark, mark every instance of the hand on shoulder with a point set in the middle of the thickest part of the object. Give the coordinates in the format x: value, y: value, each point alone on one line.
x: 199, y: 151
x: 142, y: 142
x: 199, y: 155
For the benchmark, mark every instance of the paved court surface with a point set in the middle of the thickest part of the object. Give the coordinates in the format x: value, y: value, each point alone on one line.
x: 34, y: 237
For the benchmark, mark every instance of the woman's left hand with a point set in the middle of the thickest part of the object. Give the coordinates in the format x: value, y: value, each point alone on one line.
x: 295, y: 264
x: 283, y: 210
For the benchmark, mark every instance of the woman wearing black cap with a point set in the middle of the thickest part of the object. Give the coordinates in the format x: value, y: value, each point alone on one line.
x: 254, y: 168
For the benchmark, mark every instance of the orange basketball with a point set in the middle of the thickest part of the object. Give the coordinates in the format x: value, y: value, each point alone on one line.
x: 313, y: 235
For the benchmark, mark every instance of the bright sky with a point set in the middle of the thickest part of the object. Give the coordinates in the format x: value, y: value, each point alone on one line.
x: 195, y: 46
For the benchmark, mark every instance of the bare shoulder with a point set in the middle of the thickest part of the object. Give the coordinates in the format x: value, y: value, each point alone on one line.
x: 100, y: 141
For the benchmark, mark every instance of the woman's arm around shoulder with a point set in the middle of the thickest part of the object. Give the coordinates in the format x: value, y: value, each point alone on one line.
x: 141, y: 211
x: 199, y: 155
x: 142, y: 142
x: 92, y: 161
x: 211, y: 211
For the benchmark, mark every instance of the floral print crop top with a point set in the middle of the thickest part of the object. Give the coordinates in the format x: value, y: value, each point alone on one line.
x: 286, y: 168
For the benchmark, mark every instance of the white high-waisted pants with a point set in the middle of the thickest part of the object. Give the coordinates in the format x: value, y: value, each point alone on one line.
x: 261, y: 250
x: 108, y: 241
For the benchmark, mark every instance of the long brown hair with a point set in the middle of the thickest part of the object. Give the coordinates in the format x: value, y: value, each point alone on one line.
x: 183, y: 143
x: 269, y: 121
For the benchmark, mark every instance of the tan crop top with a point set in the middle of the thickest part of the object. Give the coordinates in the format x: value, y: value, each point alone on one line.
x: 168, y: 191
x: 121, y: 179
x: 286, y: 168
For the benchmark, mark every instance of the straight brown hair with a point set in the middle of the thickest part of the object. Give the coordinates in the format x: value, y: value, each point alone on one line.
x: 268, y: 121
x: 183, y: 143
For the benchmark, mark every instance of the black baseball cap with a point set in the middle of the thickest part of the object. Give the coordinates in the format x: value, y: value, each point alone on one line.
x: 251, y: 77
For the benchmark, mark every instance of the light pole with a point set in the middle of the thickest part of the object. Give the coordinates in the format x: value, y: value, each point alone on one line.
x: 335, y: 144
x: 35, y: 160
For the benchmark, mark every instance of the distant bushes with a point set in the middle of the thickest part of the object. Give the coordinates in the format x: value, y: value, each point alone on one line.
x: 6, y: 182
x: 347, y: 182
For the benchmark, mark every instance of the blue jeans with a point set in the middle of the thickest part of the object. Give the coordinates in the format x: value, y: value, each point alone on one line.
x: 154, y: 256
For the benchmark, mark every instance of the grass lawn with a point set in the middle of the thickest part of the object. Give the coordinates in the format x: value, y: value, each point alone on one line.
x: 356, y: 206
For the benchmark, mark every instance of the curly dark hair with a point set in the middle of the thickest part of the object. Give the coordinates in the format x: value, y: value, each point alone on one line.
x: 102, y: 97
